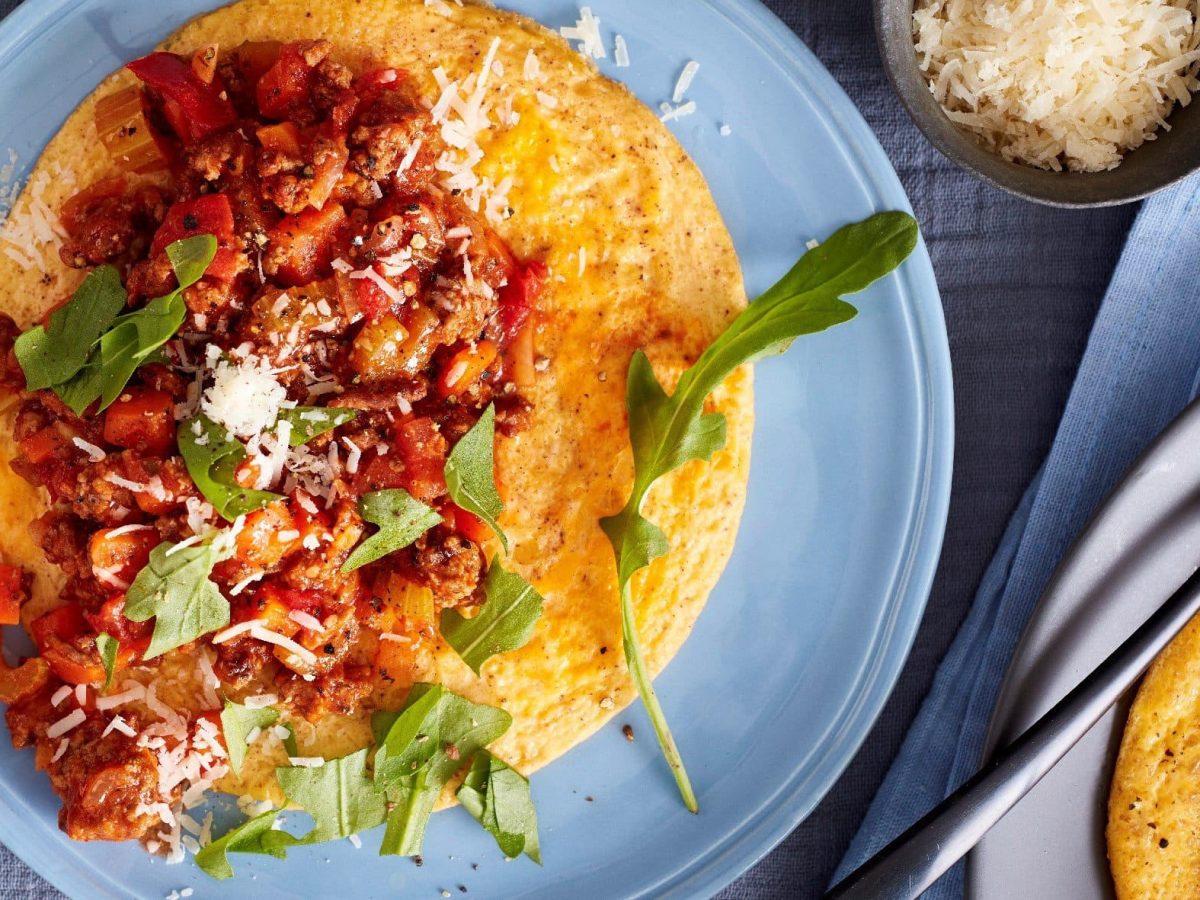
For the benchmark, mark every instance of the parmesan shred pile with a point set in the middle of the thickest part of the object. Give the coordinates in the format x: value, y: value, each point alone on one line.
x: 1059, y: 84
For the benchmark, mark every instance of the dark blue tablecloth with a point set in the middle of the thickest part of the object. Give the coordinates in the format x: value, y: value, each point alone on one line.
x: 1020, y: 284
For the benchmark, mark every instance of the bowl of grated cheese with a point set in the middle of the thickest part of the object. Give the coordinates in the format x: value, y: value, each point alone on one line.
x: 1064, y: 102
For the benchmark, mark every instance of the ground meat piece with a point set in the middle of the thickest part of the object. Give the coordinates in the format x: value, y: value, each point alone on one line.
x: 64, y: 539
x: 330, y: 83
x: 293, y: 183
x: 340, y: 691
x: 385, y: 131
x: 218, y: 157
x: 151, y: 277
x: 103, y: 781
x: 212, y: 299
x: 242, y: 659
x: 448, y: 564
x: 99, y: 498
x: 320, y: 569
x: 374, y: 398
x: 464, y: 312
x: 107, y: 229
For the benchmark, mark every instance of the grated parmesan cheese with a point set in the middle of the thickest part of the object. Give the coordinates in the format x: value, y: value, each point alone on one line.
x: 244, y: 396
x: 587, y: 32
x: 671, y: 113
x: 95, y: 454
x: 1059, y: 85
x: 66, y: 723
x: 620, y: 52
x: 685, y: 80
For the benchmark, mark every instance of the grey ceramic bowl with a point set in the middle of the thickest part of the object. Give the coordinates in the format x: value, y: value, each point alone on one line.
x: 1151, y: 167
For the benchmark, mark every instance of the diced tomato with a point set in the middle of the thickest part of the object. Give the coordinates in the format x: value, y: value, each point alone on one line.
x: 58, y: 636
x: 206, y: 214
x: 423, y: 450
x: 464, y: 367
x: 372, y: 302
x: 23, y: 680
x: 286, y: 83
x: 110, y: 619
x: 194, y: 109
x: 121, y: 553
x: 141, y: 419
x: 12, y: 594
x: 64, y: 622
x: 283, y: 138
x: 519, y: 297
x: 466, y: 523
x: 79, y: 206
x: 302, y: 246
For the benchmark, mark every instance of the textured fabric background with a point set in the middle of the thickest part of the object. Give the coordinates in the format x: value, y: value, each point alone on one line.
x: 1020, y: 285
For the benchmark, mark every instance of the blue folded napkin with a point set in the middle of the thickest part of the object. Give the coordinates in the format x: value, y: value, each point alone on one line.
x: 1139, y: 370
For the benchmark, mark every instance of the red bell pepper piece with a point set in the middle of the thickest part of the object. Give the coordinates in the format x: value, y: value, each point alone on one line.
x: 206, y: 214
x: 194, y: 109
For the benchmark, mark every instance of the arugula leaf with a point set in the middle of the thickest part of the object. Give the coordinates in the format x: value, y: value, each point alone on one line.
x: 498, y: 797
x: 310, y: 421
x: 212, y: 459
x: 289, y: 742
x: 420, y: 750
x: 213, y: 859
x: 135, y: 338
x: 237, y: 721
x: 174, y: 587
x: 668, y: 431
x: 401, y: 520
x: 505, y: 622
x: 107, y: 646
x: 53, y: 354
x: 471, y: 473
x: 340, y: 796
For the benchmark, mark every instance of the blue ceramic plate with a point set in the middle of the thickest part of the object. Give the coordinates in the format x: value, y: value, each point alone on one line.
x: 803, y: 638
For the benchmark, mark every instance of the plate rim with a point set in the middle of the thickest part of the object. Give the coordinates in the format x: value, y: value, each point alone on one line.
x: 739, y: 852
x: 916, y: 289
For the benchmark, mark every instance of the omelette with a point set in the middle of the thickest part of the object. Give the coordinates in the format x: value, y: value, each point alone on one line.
x: 595, y: 190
